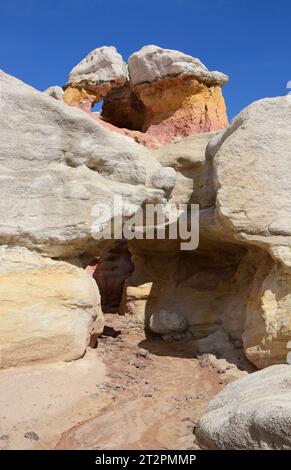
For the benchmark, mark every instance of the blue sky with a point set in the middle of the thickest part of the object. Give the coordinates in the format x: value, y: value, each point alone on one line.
x: 250, y: 40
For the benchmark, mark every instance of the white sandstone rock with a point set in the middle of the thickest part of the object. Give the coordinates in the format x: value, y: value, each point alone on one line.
x: 165, y: 179
x: 252, y: 413
x: 251, y: 166
x: 102, y: 65
x: 187, y: 157
x: 55, y: 92
x: 153, y: 63
x: 57, y: 164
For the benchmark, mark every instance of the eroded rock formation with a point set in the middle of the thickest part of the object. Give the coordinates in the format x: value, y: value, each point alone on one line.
x: 252, y: 413
x: 180, y: 96
x: 98, y: 73
x: 48, y: 309
x: 251, y: 162
x: 228, y: 300
x: 61, y: 162
x: 167, y: 94
x: 239, y: 277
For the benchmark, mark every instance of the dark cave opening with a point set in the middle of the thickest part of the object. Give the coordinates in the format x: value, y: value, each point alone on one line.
x: 110, y: 272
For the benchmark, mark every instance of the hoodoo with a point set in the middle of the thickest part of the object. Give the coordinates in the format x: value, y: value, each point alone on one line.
x: 164, y: 95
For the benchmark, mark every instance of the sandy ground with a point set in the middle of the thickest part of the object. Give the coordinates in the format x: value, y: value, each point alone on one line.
x: 131, y: 392
x: 39, y: 402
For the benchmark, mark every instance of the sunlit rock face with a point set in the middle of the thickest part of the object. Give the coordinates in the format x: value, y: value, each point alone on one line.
x: 252, y: 413
x: 55, y: 92
x: 60, y: 164
x: 152, y: 63
x: 180, y: 96
x: 166, y: 110
x: 250, y: 163
x: 165, y: 95
x: 48, y: 309
x: 239, y: 277
x: 98, y: 73
x: 62, y: 161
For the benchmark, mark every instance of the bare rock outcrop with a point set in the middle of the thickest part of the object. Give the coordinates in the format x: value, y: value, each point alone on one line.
x: 98, y: 73
x: 252, y: 413
x: 239, y: 277
x: 175, y: 96
x: 60, y: 164
x: 164, y: 95
x: 251, y: 163
x: 231, y: 297
x: 48, y: 309
x: 153, y: 63
x: 187, y: 158
x: 195, y: 284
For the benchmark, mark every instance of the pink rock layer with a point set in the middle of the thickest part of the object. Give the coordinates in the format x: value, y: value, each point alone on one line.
x: 155, y: 114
